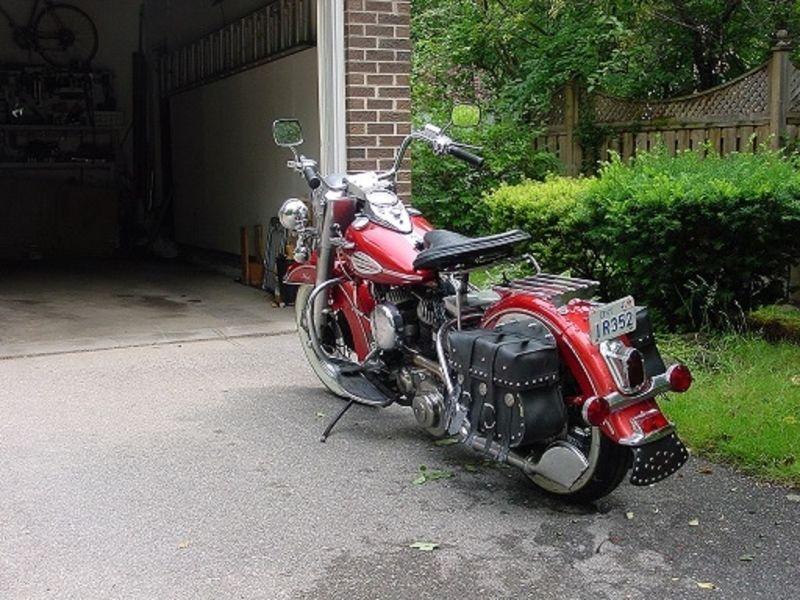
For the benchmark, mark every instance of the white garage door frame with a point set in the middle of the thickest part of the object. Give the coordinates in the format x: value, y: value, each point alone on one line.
x: 331, y: 62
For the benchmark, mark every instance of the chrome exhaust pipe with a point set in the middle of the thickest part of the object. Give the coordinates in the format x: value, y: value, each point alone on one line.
x: 561, y: 462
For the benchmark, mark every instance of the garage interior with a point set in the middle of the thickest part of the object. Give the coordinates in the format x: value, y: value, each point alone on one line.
x: 136, y: 188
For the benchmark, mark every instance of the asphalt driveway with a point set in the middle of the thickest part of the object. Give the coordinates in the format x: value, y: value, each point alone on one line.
x: 193, y: 470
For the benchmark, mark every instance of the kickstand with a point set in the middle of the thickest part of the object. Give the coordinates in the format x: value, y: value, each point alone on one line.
x: 335, y: 420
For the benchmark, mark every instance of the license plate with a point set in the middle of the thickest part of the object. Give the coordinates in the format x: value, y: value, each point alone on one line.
x: 612, y: 320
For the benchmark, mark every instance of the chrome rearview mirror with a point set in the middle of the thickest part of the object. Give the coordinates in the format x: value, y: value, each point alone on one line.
x: 287, y: 133
x: 465, y: 115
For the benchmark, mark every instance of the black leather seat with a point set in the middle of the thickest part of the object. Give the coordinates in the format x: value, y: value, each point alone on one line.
x: 446, y: 249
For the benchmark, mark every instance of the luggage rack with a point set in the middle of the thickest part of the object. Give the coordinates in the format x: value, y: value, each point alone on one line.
x: 557, y: 289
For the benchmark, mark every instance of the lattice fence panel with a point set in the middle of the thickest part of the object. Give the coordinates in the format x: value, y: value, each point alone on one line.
x: 747, y: 95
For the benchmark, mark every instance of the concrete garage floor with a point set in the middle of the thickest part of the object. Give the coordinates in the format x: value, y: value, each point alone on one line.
x: 92, y: 305
x: 193, y: 470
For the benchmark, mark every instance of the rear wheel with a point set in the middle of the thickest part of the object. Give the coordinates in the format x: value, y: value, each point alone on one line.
x: 608, y: 462
x: 608, y: 465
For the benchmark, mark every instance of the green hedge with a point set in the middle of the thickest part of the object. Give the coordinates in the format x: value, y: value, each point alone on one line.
x: 699, y: 240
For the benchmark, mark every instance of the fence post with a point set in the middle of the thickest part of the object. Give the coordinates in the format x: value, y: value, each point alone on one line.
x: 779, y: 88
x: 571, y: 116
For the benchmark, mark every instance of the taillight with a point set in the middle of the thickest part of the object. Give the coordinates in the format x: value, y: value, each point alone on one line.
x: 634, y: 368
x: 596, y: 410
x: 679, y: 378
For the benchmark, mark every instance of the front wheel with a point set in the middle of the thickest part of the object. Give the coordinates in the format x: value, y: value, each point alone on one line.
x: 334, y: 333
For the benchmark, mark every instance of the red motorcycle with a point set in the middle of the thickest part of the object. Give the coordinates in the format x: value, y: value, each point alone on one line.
x: 533, y: 372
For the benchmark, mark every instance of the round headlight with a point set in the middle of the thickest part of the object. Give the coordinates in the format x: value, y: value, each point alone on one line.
x: 293, y: 215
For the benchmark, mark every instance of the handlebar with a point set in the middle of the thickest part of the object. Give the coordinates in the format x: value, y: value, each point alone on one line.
x: 468, y: 157
x: 312, y: 177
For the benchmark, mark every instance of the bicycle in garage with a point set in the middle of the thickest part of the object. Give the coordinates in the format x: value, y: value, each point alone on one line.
x: 62, y: 34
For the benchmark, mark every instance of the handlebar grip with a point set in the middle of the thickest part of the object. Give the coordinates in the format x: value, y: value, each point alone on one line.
x: 312, y: 177
x: 468, y: 157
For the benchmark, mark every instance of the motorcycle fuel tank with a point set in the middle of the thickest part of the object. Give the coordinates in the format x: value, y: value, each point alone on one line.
x: 384, y: 255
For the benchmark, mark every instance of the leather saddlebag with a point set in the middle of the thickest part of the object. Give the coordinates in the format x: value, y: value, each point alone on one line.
x: 509, y: 381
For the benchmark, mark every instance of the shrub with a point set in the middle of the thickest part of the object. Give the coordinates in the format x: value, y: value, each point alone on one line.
x: 552, y: 211
x: 450, y: 192
x: 699, y: 240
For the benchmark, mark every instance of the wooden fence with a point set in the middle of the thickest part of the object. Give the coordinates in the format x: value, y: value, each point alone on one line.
x: 759, y: 107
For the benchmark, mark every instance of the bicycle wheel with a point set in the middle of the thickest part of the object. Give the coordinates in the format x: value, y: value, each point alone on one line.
x: 65, y: 36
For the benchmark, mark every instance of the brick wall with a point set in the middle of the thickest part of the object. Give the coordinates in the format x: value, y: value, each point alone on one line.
x: 378, y: 68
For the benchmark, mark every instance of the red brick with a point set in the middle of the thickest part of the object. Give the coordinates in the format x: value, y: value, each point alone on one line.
x: 355, y: 55
x: 354, y: 79
x: 356, y: 103
x: 380, y: 104
x: 354, y: 91
x: 362, y: 116
x: 400, y: 104
x: 361, y: 42
x: 362, y: 17
x: 354, y: 30
x: 381, y: 31
x: 392, y: 19
x: 394, y: 43
x: 393, y: 116
x: 380, y: 55
x: 380, y: 79
x: 361, y: 165
x: 393, y: 92
x: 386, y: 67
x: 385, y: 152
x: 380, y: 128
x: 362, y: 141
x: 362, y: 66
x: 356, y: 153
x: 384, y: 6
x: 356, y: 128
x: 354, y: 5
x: 393, y: 141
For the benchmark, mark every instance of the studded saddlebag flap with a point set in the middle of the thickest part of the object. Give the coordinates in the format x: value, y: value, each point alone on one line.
x: 509, y: 378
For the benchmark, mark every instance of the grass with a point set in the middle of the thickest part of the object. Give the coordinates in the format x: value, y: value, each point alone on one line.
x: 744, y: 407
x: 780, y: 321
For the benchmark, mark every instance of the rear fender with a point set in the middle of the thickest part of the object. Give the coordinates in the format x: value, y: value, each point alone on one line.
x: 632, y: 425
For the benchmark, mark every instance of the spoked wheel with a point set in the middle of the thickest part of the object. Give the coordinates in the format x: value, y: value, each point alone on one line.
x: 608, y: 465
x: 336, y: 340
x: 66, y: 36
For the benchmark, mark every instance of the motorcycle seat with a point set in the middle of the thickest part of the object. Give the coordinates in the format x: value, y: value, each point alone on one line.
x: 447, y: 250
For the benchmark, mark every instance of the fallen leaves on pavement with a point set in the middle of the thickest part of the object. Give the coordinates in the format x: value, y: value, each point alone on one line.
x: 706, y: 585
x: 446, y: 441
x: 425, y: 475
x: 424, y: 546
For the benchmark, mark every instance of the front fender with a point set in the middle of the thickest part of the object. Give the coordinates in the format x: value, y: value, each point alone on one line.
x: 300, y: 274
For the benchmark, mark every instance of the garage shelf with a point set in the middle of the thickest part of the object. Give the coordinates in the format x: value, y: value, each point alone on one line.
x: 46, y: 166
x: 62, y: 128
